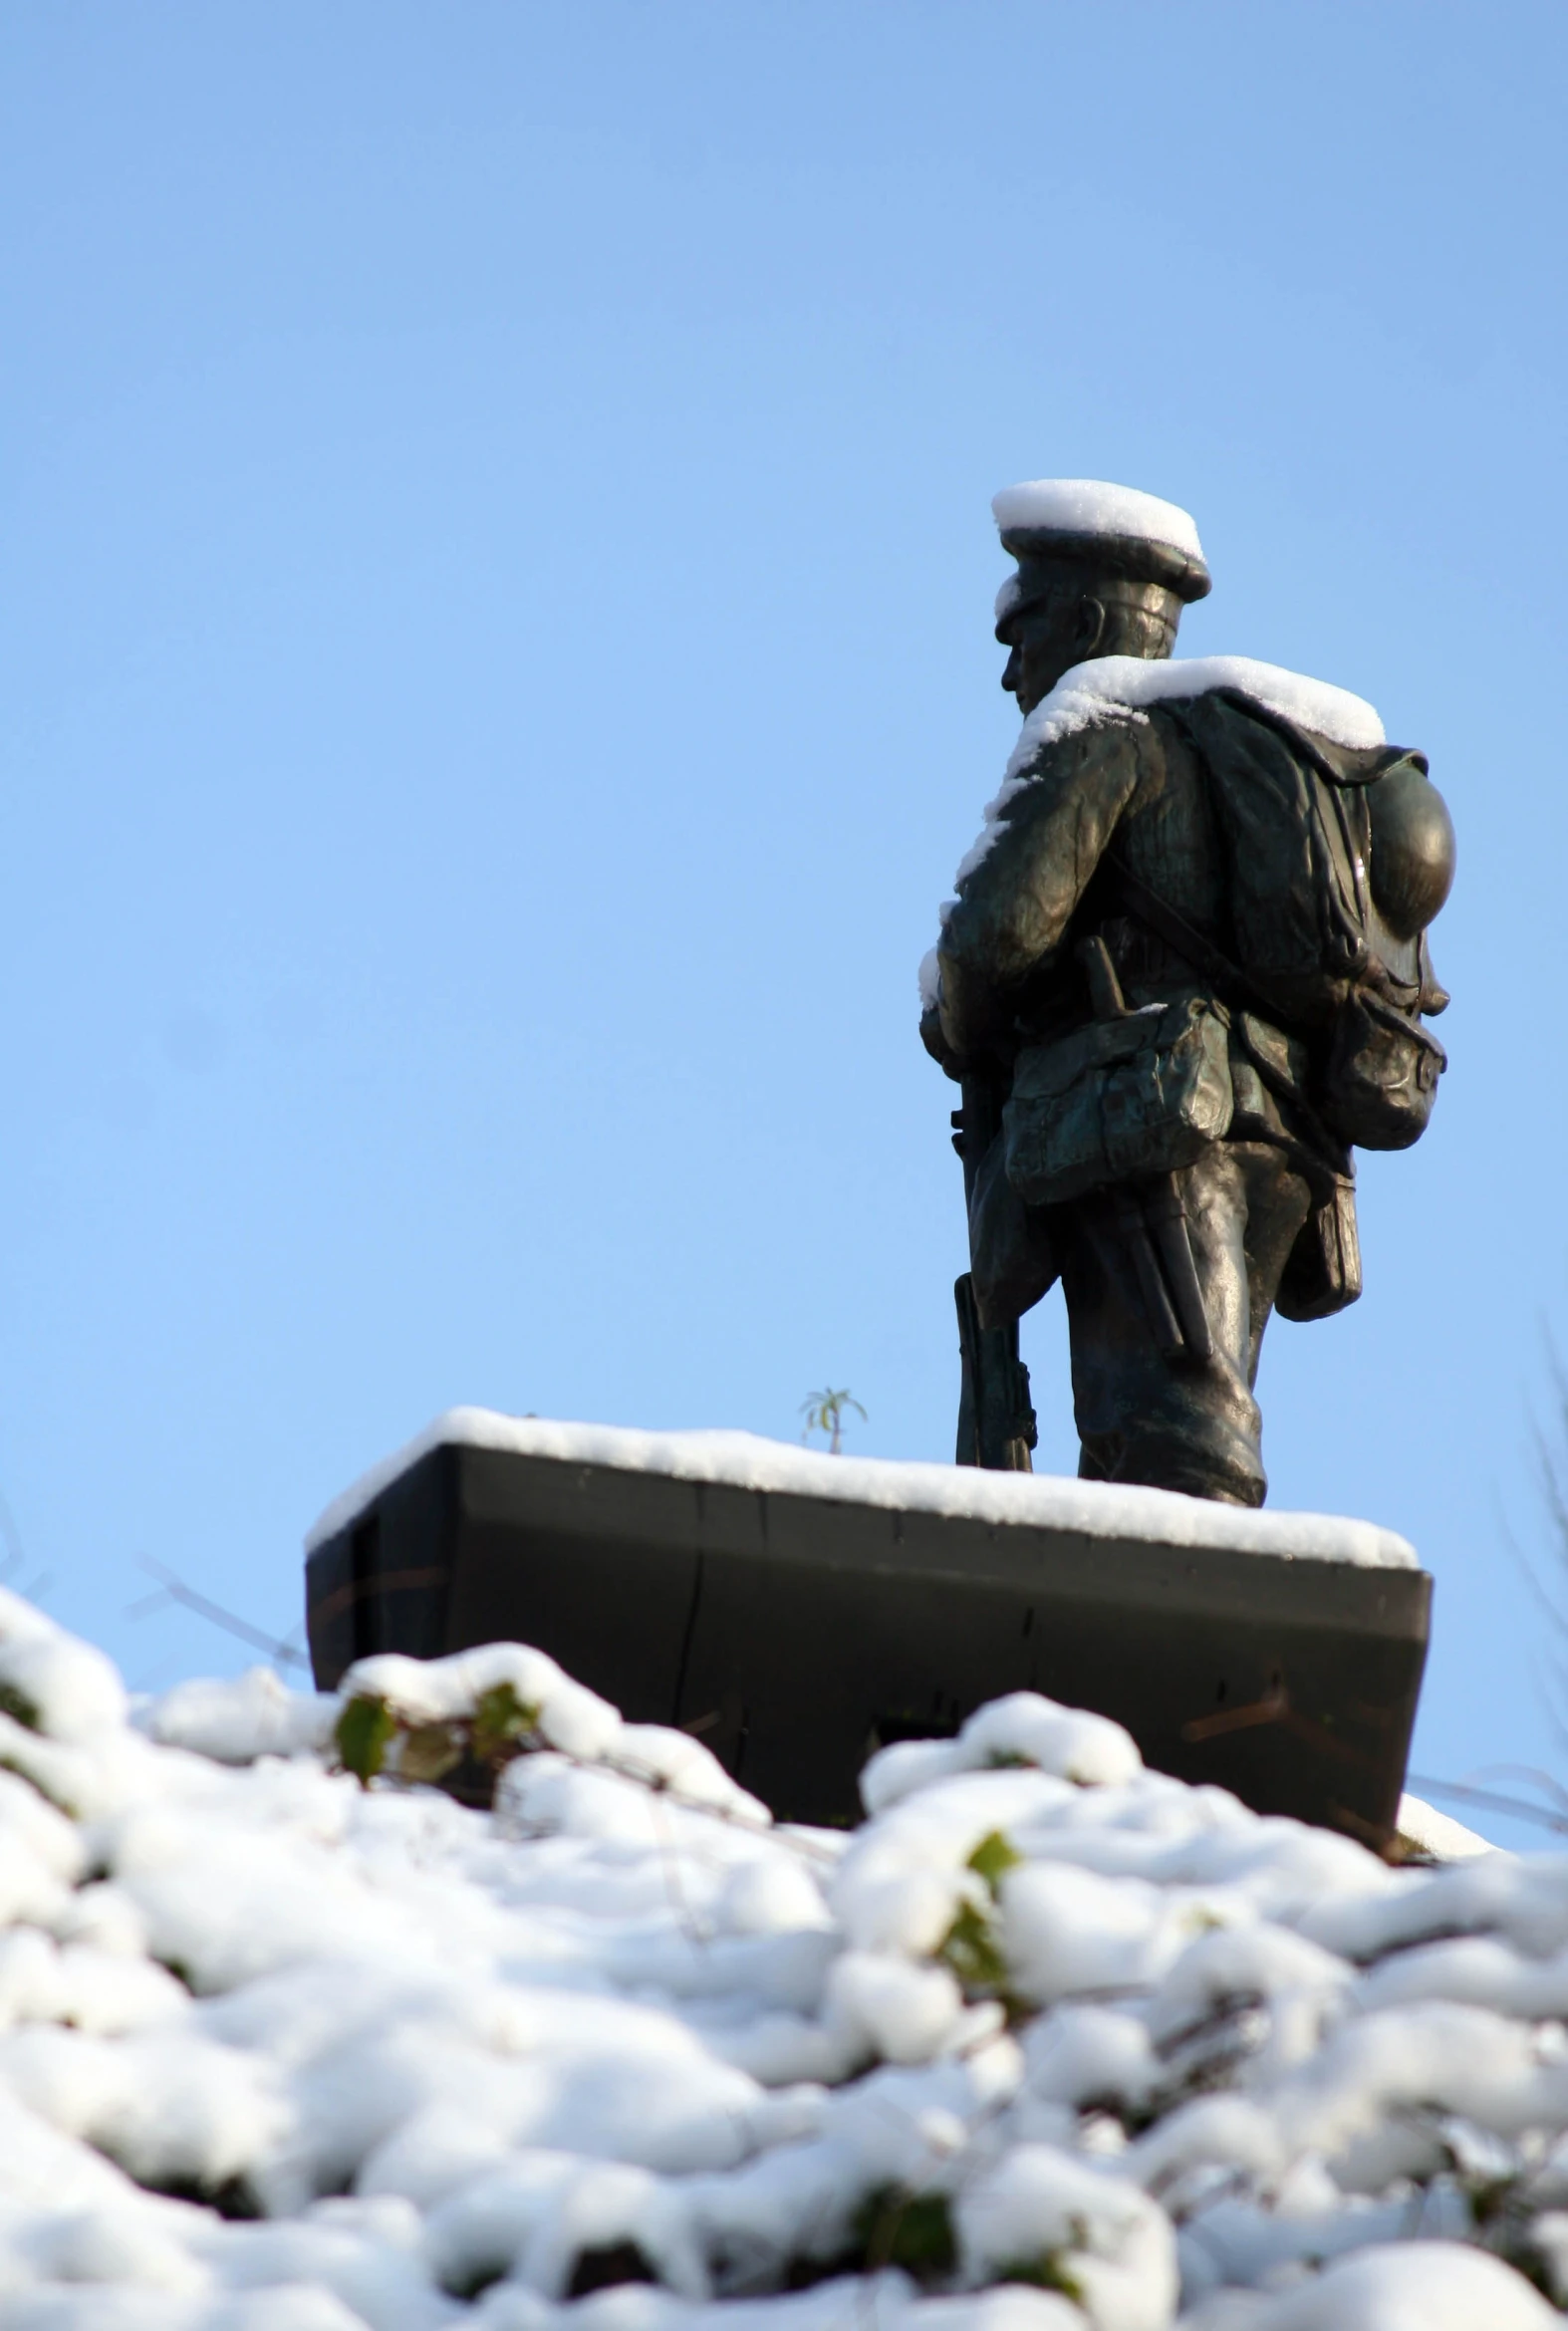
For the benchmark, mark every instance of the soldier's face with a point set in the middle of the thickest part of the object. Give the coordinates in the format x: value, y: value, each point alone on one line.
x: 1055, y: 634
x: 1071, y: 625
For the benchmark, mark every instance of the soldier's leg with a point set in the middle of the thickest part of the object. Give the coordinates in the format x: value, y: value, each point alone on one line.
x: 1179, y: 1424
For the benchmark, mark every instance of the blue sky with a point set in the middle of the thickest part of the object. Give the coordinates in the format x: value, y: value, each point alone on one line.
x: 497, y: 671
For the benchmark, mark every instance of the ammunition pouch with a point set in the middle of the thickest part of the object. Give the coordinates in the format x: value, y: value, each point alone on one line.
x: 1322, y: 1271
x: 1380, y: 1077
x: 1118, y: 1099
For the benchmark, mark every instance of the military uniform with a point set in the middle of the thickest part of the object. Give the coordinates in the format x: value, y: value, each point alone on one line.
x: 1127, y: 830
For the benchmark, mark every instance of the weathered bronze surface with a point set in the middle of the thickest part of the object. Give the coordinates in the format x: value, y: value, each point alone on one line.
x: 1186, y: 980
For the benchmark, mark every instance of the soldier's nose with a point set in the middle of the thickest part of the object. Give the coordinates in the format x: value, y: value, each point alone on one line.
x: 1010, y: 673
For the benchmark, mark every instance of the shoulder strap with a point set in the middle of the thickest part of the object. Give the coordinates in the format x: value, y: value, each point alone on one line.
x: 1230, y: 981
x: 1233, y: 987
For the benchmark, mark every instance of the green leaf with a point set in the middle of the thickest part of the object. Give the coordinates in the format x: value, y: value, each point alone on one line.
x: 16, y: 1763
x: 894, y: 2227
x: 1047, y: 2270
x: 972, y: 1951
x: 16, y: 1703
x: 500, y: 1723
x: 364, y: 1729
x: 992, y: 1858
x: 428, y: 1752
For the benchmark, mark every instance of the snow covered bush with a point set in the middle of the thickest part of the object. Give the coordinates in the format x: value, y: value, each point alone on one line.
x: 293, y: 2040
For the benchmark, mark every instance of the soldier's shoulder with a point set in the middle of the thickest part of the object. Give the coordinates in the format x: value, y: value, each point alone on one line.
x: 1145, y: 699
x: 1107, y: 735
x: 1221, y: 694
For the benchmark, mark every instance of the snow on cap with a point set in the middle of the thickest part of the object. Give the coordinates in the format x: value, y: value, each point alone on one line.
x: 1048, y: 519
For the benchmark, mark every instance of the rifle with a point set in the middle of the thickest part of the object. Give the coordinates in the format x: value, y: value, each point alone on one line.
x: 996, y: 1425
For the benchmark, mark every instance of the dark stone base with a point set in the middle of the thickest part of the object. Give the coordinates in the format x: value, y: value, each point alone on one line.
x: 794, y: 1633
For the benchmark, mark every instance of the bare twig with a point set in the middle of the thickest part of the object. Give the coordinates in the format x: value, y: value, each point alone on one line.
x: 1491, y: 1801
x: 1549, y: 1648
x: 14, y: 1557
x: 173, y: 1589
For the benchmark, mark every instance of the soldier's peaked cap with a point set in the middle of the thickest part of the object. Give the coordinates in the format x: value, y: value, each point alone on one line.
x: 1052, y: 521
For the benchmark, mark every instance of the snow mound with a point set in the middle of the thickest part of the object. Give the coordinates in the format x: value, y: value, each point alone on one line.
x: 746, y: 1461
x: 1023, y: 1728
x: 423, y: 1693
x: 49, y: 1682
x: 240, y: 1718
x: 292, y: 2041
x: 1437, y: 1834
x: 1085, y: 505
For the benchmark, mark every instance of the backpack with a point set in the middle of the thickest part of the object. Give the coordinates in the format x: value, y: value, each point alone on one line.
x: 1296, y: 817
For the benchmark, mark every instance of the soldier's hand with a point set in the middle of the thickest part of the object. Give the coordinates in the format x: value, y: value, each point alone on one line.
x: 935, y: 1042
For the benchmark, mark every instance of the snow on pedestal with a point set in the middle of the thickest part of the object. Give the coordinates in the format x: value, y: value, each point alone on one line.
x: 746, y: 1461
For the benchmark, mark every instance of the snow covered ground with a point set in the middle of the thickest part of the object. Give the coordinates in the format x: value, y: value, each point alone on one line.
x: 1049, y: 2042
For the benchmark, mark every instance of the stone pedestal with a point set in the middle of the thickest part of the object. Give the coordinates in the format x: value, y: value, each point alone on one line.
x: 796, y: 1612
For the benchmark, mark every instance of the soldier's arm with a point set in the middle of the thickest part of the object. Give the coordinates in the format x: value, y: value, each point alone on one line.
x: 1014, y: 907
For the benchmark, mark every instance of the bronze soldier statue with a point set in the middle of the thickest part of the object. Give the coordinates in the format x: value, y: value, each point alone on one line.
x: 1185, y: 974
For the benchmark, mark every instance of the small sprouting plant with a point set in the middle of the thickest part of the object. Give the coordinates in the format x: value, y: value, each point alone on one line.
x: 824, y: 1413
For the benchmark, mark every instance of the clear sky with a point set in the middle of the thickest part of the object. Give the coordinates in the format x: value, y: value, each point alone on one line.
x: 498, y: 669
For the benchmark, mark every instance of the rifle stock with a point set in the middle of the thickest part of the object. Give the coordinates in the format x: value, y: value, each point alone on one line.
x: 996, y: 1422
